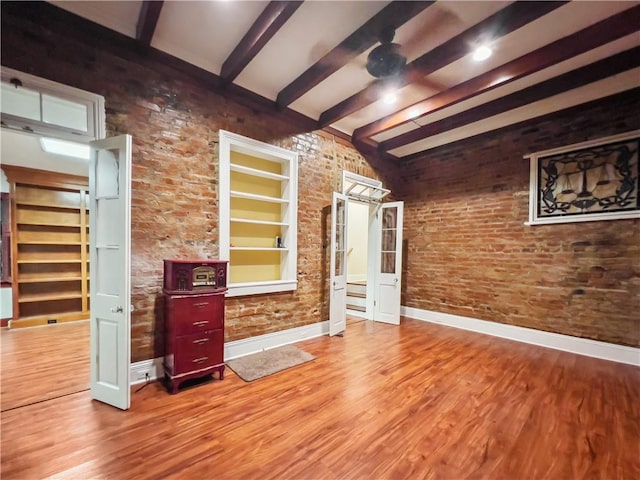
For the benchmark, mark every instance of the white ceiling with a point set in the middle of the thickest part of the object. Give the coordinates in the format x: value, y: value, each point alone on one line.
x: 24, y: 150
x: 205, y: 33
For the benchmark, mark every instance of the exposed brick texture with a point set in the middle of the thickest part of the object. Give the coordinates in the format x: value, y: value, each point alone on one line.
x: 469, y: 253
x: 174, y: 121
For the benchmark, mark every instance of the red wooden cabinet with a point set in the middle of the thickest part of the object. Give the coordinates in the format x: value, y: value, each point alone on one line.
x: 194, y: 319
x: 194, y: 337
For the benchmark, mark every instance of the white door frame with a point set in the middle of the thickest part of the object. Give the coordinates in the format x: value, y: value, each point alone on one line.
x: 388, y: 285
x: 96, y: 122
x: 110, y: 247
x: 372, y: 233
x: 338, y: 282
x: 374, y: 276
x: 96, y: 117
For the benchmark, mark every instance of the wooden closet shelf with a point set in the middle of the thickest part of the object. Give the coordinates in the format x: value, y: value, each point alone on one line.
x: 47, y: 242
x: 61, y: 317
x: 31, y: 203
x: 49, y: 224
x: 52, y: 260
x: 44, y: 279
x: 49, y: 297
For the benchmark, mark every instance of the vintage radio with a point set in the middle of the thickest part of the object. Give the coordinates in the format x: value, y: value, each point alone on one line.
x: 195, y: 276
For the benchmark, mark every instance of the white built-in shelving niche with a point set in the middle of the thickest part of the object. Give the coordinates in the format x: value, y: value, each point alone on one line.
x: 258, y: 192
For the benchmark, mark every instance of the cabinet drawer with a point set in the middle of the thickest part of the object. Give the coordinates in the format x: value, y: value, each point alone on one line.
x: 197, y: 313
x: 197, y: 351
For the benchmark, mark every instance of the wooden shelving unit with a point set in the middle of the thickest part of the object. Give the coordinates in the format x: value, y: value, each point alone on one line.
x: 50, y: 246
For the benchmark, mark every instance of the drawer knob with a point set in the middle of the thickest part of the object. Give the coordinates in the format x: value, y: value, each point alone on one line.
x: 201, y: 323
x: 200, y: 360
x: 200, y: 341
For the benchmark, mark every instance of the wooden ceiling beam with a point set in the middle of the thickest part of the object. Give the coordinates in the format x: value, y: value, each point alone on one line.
x: 608, y: 30
x: 394, y: 14
x: 272, y: 18
x: 579, y: 77
x: 510, y: 18
x: 147, y: 21
x: 17, y: 14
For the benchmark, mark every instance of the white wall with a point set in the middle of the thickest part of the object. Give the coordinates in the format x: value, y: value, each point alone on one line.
x: 357, y: 241
x: 4, y: 183
x: 24, y: 150
x: 6, y: 304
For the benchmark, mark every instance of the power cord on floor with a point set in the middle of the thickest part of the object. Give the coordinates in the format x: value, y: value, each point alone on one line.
x: 147, y: 382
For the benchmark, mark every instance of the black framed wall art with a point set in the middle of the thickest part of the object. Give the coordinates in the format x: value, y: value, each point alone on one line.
x: 588, y: 181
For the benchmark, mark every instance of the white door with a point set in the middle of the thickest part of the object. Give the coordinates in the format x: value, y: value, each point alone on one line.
x: 110, y: 269
x: 389, y: 264
x: 338, y: 285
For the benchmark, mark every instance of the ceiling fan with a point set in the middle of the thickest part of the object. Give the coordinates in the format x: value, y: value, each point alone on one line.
x: 386, y: 60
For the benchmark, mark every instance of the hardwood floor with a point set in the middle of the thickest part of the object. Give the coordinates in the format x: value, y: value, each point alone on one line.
x: 352, y: 319
x: 41, y: 363
x: 383, y: 402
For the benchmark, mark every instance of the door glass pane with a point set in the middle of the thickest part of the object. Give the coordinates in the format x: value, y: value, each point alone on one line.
x: 64, y: 113
x: 389, y: 233
x: 389, y: 240
x: 340, y: 240
x: 388, y: 262
x: 390, y: 217
x: 339, y: 266
x: 21, y: 102
x: 107, y: 172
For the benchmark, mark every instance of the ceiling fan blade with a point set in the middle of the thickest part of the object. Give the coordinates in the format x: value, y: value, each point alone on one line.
x: 339, y: 57
x: 440, y: 18
x: 432, y: 85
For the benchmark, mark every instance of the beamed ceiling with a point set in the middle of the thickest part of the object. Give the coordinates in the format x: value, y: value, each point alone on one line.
x: 308, y: 59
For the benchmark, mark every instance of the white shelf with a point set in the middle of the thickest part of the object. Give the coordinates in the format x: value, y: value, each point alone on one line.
x: 278, y: 206
x: 253, y: 196
x: 257, y: 173
x: 259, y: 248
x: 257, y: 222
x: 257, y: 288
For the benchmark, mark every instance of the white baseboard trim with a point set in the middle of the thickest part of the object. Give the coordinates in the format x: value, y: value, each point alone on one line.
x: 357, y: 313
x: 557, y: 341
x: 138, y: 371
x: 237, y: 348
x: 247, y: 346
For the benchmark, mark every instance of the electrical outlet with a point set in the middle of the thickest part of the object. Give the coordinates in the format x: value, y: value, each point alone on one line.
x: 146, y: 376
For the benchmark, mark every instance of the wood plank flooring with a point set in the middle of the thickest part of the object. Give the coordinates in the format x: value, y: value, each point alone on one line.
x: 383, y: 402
x: 41, y: 363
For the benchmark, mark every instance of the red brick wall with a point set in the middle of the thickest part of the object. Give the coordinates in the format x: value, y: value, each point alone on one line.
x: 469, y: 252
x: 174, y: 121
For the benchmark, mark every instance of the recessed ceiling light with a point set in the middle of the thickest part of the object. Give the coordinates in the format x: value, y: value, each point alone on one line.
x: 389, y: 97
x: 482, y: 53
x: 67, y: 149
